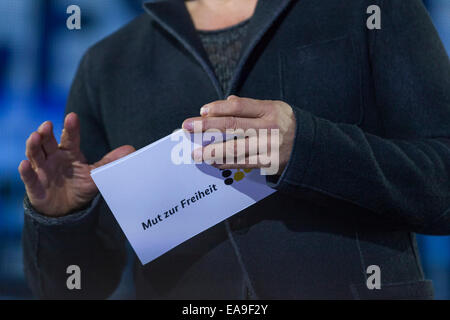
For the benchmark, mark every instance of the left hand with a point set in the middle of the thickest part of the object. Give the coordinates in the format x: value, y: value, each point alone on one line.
x: 244, y: 113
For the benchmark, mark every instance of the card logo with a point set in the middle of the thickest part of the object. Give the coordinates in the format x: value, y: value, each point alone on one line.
x: 237, y: 176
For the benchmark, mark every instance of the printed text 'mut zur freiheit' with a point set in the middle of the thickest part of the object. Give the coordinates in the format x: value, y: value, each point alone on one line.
x: 183, y: 204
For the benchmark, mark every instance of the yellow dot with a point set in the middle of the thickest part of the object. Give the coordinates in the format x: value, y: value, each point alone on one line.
x: 239, y: 176
x: 248, y: 170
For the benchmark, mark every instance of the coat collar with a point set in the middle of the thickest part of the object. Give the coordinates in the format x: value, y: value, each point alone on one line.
x: 173, y: 16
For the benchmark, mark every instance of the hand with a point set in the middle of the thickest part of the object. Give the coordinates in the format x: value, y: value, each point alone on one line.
x: 244, y: 113
x: 56, y: 177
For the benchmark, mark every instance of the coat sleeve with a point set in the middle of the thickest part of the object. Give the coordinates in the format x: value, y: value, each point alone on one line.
x: 403, y: 173
x: 89, y: 238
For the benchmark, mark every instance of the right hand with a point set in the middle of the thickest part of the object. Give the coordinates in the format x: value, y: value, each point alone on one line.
x: 57, y: 177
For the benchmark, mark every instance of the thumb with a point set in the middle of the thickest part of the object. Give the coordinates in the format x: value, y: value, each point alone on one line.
x: 114, y: 155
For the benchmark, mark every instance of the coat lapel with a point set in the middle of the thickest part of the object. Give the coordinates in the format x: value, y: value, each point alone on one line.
x: 266, y: 13
x: 173, y: 16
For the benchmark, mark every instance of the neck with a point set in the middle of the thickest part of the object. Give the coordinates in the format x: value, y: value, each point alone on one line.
x: 219, y: 14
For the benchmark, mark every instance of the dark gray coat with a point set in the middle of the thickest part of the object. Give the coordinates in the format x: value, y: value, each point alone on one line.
x: 369, y: 168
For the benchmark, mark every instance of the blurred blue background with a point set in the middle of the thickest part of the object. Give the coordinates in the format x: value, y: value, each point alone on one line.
x: 38, y: 59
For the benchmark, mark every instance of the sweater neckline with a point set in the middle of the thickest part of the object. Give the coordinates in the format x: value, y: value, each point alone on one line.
x: 222, y: 30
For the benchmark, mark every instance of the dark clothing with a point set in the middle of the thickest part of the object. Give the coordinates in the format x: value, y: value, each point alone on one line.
x: 370, y: 164
x: 224, y: 49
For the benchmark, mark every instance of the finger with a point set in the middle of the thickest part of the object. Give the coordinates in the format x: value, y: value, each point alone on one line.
x: 49, y: 143
x: 114, y: 155
x: 236, y: 107
x: 237, y: 150
x: 251, y: 162
x: 231, y: 151
x: 70, y: 138
x: 34, y: 151
x: 27, y: 174
x: 201, y: 124
x: 30, y: 178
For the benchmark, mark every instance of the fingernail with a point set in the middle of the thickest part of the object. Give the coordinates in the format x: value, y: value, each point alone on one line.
x: 188, y: 125
x: 198, y: 155
x: 41, y: 126
x: 204, y: 111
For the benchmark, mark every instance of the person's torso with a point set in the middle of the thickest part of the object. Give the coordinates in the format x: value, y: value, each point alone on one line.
x: 311, y: 55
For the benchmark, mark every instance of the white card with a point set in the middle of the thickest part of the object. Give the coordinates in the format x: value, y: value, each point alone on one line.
x: 160, y: 204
